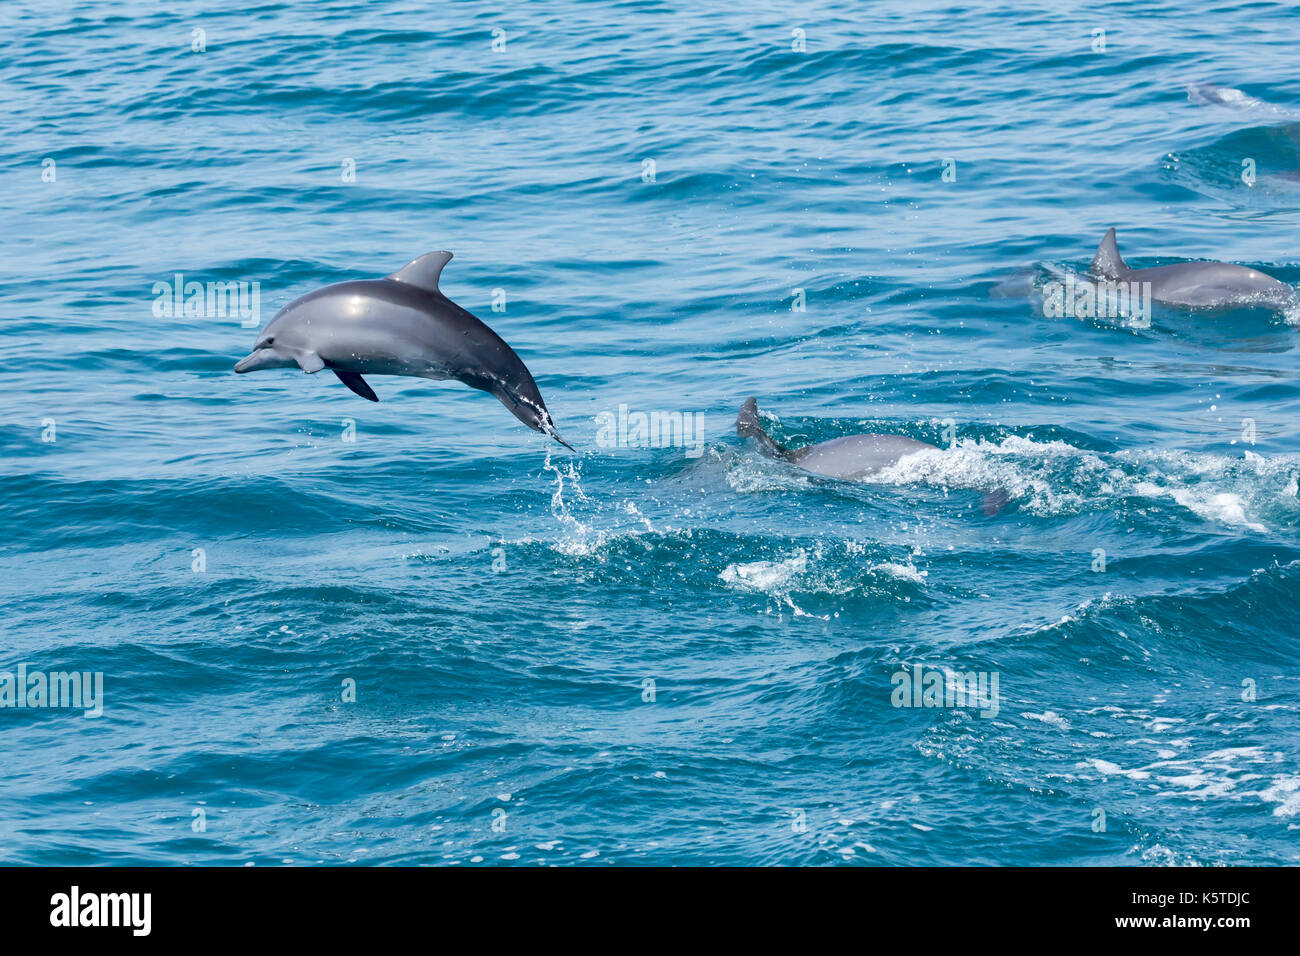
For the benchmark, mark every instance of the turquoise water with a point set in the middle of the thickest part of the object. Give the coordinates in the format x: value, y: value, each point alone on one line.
x: 649, y: 654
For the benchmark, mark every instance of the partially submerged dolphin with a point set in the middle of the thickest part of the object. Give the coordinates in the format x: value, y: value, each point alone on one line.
x: 399, y: 325
x: 1214, y: 95
x: 1194, y: 283
x: 850, y: 457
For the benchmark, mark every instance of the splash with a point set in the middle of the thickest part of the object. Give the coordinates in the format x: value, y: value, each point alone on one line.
x: 902, y: 572
x: 584, y: 538
x: 568, y: 476
x: 1055, y: 478
x: 776, y: 579
x: 821, y: 572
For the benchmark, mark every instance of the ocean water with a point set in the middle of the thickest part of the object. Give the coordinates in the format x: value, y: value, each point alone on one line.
x: 418, y: 633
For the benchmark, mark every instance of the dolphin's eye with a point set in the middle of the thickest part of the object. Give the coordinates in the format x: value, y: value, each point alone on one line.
x: 269, y: 342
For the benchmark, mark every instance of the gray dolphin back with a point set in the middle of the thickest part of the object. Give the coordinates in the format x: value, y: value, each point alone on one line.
x: 1196, y: 283
x: 479, y: 357
x: 850, y: 457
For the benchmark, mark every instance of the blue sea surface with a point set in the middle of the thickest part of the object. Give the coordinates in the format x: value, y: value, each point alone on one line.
x: 416, y: 632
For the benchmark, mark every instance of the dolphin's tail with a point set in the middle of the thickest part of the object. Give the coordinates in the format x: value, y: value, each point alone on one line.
x: 748, y: 426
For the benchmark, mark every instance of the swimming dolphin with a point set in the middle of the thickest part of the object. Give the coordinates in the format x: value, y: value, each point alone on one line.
x: 850, y: 457
x: 399, y: 325
x: 1214, y: 95
x: 1194, y: 283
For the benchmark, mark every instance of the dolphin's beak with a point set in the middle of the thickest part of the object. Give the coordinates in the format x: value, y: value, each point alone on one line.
x: 252, y: 361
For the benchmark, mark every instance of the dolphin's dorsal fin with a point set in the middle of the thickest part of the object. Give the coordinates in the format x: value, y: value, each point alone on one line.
x: 1107, y: 263
x: 748, y: 426
x: 423, y: 272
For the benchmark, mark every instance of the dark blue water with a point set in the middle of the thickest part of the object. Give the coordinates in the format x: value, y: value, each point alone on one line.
x: 645, y: 654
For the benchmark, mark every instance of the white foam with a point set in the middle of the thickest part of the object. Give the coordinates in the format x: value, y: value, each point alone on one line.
x: 1051, y: 478
x: 1223, y: 506
x: 1113, y: 769
x: 1049, y: 717
x: 766, y: 576
x: 1285, y: 792
x: 903, y: 572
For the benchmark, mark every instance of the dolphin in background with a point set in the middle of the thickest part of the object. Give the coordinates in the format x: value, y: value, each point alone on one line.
x: 399, y: 325
x: 850, y: 457
x: 1211, y: 94
x: 1194, y: 283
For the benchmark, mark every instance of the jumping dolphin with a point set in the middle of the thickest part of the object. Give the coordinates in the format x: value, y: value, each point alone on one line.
x: 1194, y: 283
x: 399, y: 325
x: 851, y: 457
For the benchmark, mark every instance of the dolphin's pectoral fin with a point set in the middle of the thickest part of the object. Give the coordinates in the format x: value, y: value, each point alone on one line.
x: 358, y: 384
x: 309, y: 361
